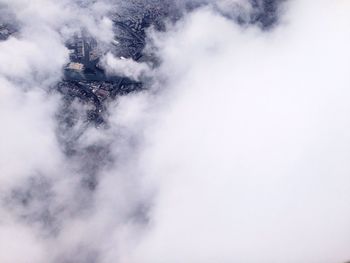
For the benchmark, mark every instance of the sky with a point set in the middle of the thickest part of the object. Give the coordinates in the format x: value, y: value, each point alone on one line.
x: 237, y: 151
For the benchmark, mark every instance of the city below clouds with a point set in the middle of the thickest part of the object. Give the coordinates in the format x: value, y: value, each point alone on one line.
x: 189, y: 131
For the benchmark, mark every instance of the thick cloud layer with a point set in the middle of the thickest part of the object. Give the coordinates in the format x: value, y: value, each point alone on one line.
x: 237, y: 151
x: 251, y: 150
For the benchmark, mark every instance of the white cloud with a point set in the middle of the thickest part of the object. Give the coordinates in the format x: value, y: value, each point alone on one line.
x: 125, y: 67
x: 251, y: 152
x: 41, y: 189
x: 65, y: 17
x: 19, y: 245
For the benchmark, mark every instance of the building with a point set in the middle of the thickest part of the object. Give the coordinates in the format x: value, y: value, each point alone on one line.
x: 75, y: 66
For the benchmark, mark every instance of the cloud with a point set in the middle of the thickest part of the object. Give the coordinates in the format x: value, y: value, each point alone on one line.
x: 126, y: 67
x: 237, y: 150
x: 65, y: 17
x: 44, y: 191
x: 250, y: 152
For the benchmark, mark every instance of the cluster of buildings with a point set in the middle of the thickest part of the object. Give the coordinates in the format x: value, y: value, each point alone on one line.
x: 5, y: 31
x: 101, y: 89
x: 84, y: 55
x: 130, y: 24
x: 85, y: 80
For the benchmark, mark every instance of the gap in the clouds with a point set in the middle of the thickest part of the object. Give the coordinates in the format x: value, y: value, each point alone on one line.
x: 267, y: 12
x: 8, y: 25
x: 85, y: 77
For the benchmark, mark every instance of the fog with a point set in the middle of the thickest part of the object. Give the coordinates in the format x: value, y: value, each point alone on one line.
x: 236, y: 150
